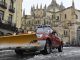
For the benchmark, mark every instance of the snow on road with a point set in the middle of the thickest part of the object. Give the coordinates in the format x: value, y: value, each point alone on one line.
x: 6, y: 52
x: 68, y: 52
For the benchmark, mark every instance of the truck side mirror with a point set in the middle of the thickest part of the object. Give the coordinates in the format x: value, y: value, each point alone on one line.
x: 54, y: 32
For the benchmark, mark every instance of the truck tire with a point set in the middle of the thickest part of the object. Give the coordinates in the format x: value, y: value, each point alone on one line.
x: 60, y: 48
x: 18, y: 52
x: 47, y: 48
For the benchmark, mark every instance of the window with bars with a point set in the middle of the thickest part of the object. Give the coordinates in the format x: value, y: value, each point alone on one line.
x: 1, y: 15
x: 10, y: 19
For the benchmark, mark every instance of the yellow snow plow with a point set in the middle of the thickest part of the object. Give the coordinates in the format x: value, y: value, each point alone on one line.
x: 21, y: 43
x: 18, y: 39
x: 21, y: 40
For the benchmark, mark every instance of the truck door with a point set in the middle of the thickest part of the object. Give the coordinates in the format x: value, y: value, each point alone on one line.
x: 55, y: 40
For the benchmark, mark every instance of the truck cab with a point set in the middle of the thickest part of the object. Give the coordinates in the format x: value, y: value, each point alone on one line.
x: 45, y: 33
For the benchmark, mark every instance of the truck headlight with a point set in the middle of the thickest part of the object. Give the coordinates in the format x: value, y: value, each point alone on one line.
x: 39, y: 35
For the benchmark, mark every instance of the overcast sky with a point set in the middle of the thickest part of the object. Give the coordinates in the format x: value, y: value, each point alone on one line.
x: 28, y: 3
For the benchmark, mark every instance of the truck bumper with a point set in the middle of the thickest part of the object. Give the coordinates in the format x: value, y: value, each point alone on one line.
x: 30, y: 48
x: 33, y: 47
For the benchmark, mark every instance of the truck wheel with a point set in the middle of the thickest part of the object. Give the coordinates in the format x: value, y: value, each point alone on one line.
x: 60, y: 48
x: 18, y: 52
x: 48, y: 48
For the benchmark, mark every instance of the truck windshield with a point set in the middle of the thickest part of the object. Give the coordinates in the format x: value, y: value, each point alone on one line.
x: 44, y: 30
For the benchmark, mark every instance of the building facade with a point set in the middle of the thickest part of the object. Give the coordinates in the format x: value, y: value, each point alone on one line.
x: 65, y: 21
x: 10, y: 15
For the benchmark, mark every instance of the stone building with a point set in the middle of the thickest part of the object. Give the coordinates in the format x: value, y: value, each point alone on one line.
x: 37, y: 17
x: 41, y: 16
x: 10, y: 16
x: 66, y: 21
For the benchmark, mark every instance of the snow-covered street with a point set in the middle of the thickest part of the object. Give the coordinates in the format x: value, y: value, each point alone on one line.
x: 69, y: 53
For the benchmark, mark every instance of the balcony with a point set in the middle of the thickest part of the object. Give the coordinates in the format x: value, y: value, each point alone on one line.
x: 3, y: 4
x: 8, y: 26
x: 12, y: 9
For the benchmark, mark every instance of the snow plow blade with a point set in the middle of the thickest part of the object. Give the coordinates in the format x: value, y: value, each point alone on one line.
x: 18, y: 40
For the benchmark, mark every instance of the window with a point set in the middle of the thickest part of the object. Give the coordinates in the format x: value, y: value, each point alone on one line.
x: 1, y: 16
x: 3, y: 4
x: 11, y: 4
x: 76, y: 17
x: 2, y: 0
x: 10, y: 19
x: 65, y: 16
x: 79, y: 37
x: 47, y: 22
x: 44, y: 30
x: 29, y: 22
x: 52, y: 16
x: 65, y: 33
x: 57, y: 18
x: 38, y: 22
x: 35, y: 22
